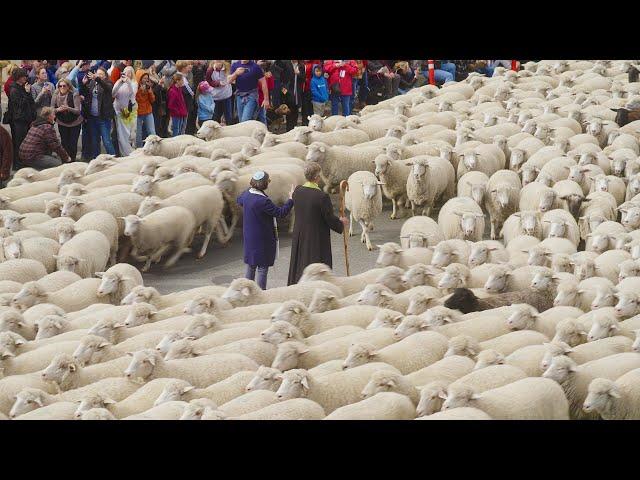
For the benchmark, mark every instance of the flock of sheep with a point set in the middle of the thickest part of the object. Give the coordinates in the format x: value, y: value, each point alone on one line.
x: 538, y: 321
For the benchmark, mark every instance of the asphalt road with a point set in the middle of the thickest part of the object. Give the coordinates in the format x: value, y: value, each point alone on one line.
x: 223, y: 264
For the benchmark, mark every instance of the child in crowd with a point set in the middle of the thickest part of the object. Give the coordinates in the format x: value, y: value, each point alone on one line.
x: 319, y: 91
x: 176, y: 105
x: 206, y: 103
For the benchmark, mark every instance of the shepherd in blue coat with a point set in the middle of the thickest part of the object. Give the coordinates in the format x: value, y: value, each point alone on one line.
x: 259, y: 227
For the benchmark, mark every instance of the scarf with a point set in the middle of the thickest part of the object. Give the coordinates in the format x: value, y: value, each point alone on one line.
x: 186, y: 84
x: 275, y: 223
x: 311, y: 185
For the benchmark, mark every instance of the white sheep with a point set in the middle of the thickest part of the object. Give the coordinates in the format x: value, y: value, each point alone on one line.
x: 220, y: 392
x: 575, y: 379
x: 85, y: 254
x: 117, y: 205
x: 461, y: 218
x: 381, y: 406
x: 297, y: 314
x: 408, y: 355
x: 473, y: 184
x: 41, y: 249
x: 528, y: 398
x: 243, y: 292
x: 503, y: 191
x: 349, y: 285
x: 169, y: 147
x: 206, y: 204
x: 431, y: 180
x: 293, y: 409
x: 487, y: 251
x: 480, y: 380
x: 614, y: 400
x: 199, y: 371
x: 420, y: 231
x: 330, y: 391
x: 363, y: 199
x: 22, y: 270
x: 393, y: 174
x: 71, y: 298
x: 525, y: 317
x: 117, y: 281
x: 151, y: 237
x: 585, y: 352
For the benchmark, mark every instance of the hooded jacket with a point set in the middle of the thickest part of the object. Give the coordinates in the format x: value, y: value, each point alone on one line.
x: 319, y: 87
x: 144, y: 98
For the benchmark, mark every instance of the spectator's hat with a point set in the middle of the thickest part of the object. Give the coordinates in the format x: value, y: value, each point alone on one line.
x: 259, y: 175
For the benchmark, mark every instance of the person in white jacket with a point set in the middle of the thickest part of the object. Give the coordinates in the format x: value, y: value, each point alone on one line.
x: 124, y: 103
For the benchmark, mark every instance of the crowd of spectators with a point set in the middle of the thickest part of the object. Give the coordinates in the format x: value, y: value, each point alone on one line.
x: 113, y: 105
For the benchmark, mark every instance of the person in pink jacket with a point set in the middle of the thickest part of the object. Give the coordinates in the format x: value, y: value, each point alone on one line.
x: 341, y: 74
x: 176, y: 105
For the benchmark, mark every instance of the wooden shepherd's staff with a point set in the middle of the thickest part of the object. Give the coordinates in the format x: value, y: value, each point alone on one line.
x: 344, y: 187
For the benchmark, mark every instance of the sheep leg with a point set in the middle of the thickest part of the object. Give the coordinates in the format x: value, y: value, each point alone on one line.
x: 157, y: 255
x: 113, y: 256
x: 365, y: 233
x: 393, y: 215
x: 205, y: 242
x: 413, y: 209
x: 174, y: 258
x: 494, y: 225
x: 350, y: 224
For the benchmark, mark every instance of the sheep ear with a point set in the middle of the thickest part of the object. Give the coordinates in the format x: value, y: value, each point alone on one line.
x: 298, y: 309
x: 614, y: 393
x: 72, y: 367
x: 7, y: 355
x: 104, y: 344
x: 305, y: 383
x: 99, y: 274
x: 187, y: 389
x: 303, y: 350
x: 245, y: 291
x: 614, y: 327
x: 475, y: 396
x: 373, y: 354
x: 442, y: 394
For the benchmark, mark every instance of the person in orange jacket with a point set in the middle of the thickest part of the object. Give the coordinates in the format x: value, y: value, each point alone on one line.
x: 145, y: 98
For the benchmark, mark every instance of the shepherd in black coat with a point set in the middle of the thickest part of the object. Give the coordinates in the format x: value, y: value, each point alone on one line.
x: 314, y: 220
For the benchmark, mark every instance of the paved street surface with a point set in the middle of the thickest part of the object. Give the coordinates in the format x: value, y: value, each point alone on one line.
x: 223, y: 264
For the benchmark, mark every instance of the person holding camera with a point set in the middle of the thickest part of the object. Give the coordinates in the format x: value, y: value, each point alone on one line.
x: 67, y: 107
x: 341, y: 74
x: 97, y: 110
x: 145, y: 98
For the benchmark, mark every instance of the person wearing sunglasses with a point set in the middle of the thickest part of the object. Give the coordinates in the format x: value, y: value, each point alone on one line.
x: 67, y: 107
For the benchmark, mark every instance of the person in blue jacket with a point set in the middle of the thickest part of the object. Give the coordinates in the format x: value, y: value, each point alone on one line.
x: 319, y: 91
x: 259, y: 228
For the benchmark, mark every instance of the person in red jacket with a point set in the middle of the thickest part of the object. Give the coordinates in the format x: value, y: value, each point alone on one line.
x: 176, y: 105
x: 341, y: 74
